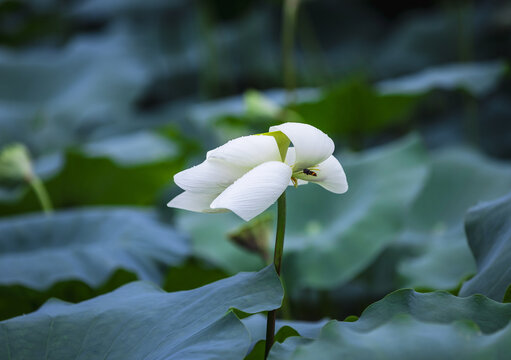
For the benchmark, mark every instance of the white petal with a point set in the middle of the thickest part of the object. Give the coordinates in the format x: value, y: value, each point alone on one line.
x: 255, y: 191
x: 291, y: 156
x: 330, y: 175
x: 312, y: 145
x: 209, y: 176
x: 247, y: 151
x: 199, y: 202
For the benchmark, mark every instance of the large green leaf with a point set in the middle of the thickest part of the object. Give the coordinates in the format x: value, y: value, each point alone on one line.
x: 140, y: 321
x: 488, y: 229
x: 435, y: 259
x: 406, y: 325
x: 478, y: 78
x: 87, y: 245
x: 331, y: 238
x: 129, y: 169
x: 459, y: 179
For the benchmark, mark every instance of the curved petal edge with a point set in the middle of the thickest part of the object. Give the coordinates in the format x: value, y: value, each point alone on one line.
x: 255, y: 191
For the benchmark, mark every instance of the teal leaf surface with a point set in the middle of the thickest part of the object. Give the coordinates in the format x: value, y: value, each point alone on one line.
x: 488, y: 228
x: 459, y: 179
x: 140, y: 321
x: 37, y: 251
x: 407, y: 324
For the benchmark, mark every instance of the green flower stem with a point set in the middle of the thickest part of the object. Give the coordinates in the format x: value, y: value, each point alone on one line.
x: 277, y: 261
x: 41, y: 193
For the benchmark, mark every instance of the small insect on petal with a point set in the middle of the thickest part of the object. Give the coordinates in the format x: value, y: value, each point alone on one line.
x: 309, y: 172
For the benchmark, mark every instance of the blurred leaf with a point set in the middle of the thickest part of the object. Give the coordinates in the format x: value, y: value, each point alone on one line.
x: 488, y: 228
x: 257, y: 104
x: 54, y: 98
x: 413, y: 43
x: 210, y: 242
x: 137, y: 148
x: 354, y: 108
x: 97, y: 8
x: 255, y: 236
x: 140, y: 320
x: 479, y: 79
x: 440, y: 259
x: 87, y: 245
x: 129, y: 169
x: 332, y: 238
x: 459, y: 179
x: 495, y: 127
x: 406, y: 325
x: 254, y: 112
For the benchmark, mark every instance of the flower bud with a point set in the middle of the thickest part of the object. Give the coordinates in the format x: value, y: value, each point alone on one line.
x: 15, y: 163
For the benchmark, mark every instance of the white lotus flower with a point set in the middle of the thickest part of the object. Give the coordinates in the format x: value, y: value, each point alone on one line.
x: 247, y: 175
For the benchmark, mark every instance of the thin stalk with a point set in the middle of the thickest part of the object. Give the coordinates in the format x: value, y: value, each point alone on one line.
x: 277, y: 262
x: 41, y: 193
x: 288, y: 40
x: 465, y: 19
x: 209, y: 72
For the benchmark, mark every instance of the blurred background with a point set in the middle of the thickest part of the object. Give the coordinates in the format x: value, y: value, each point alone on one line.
x: 112, y: 98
